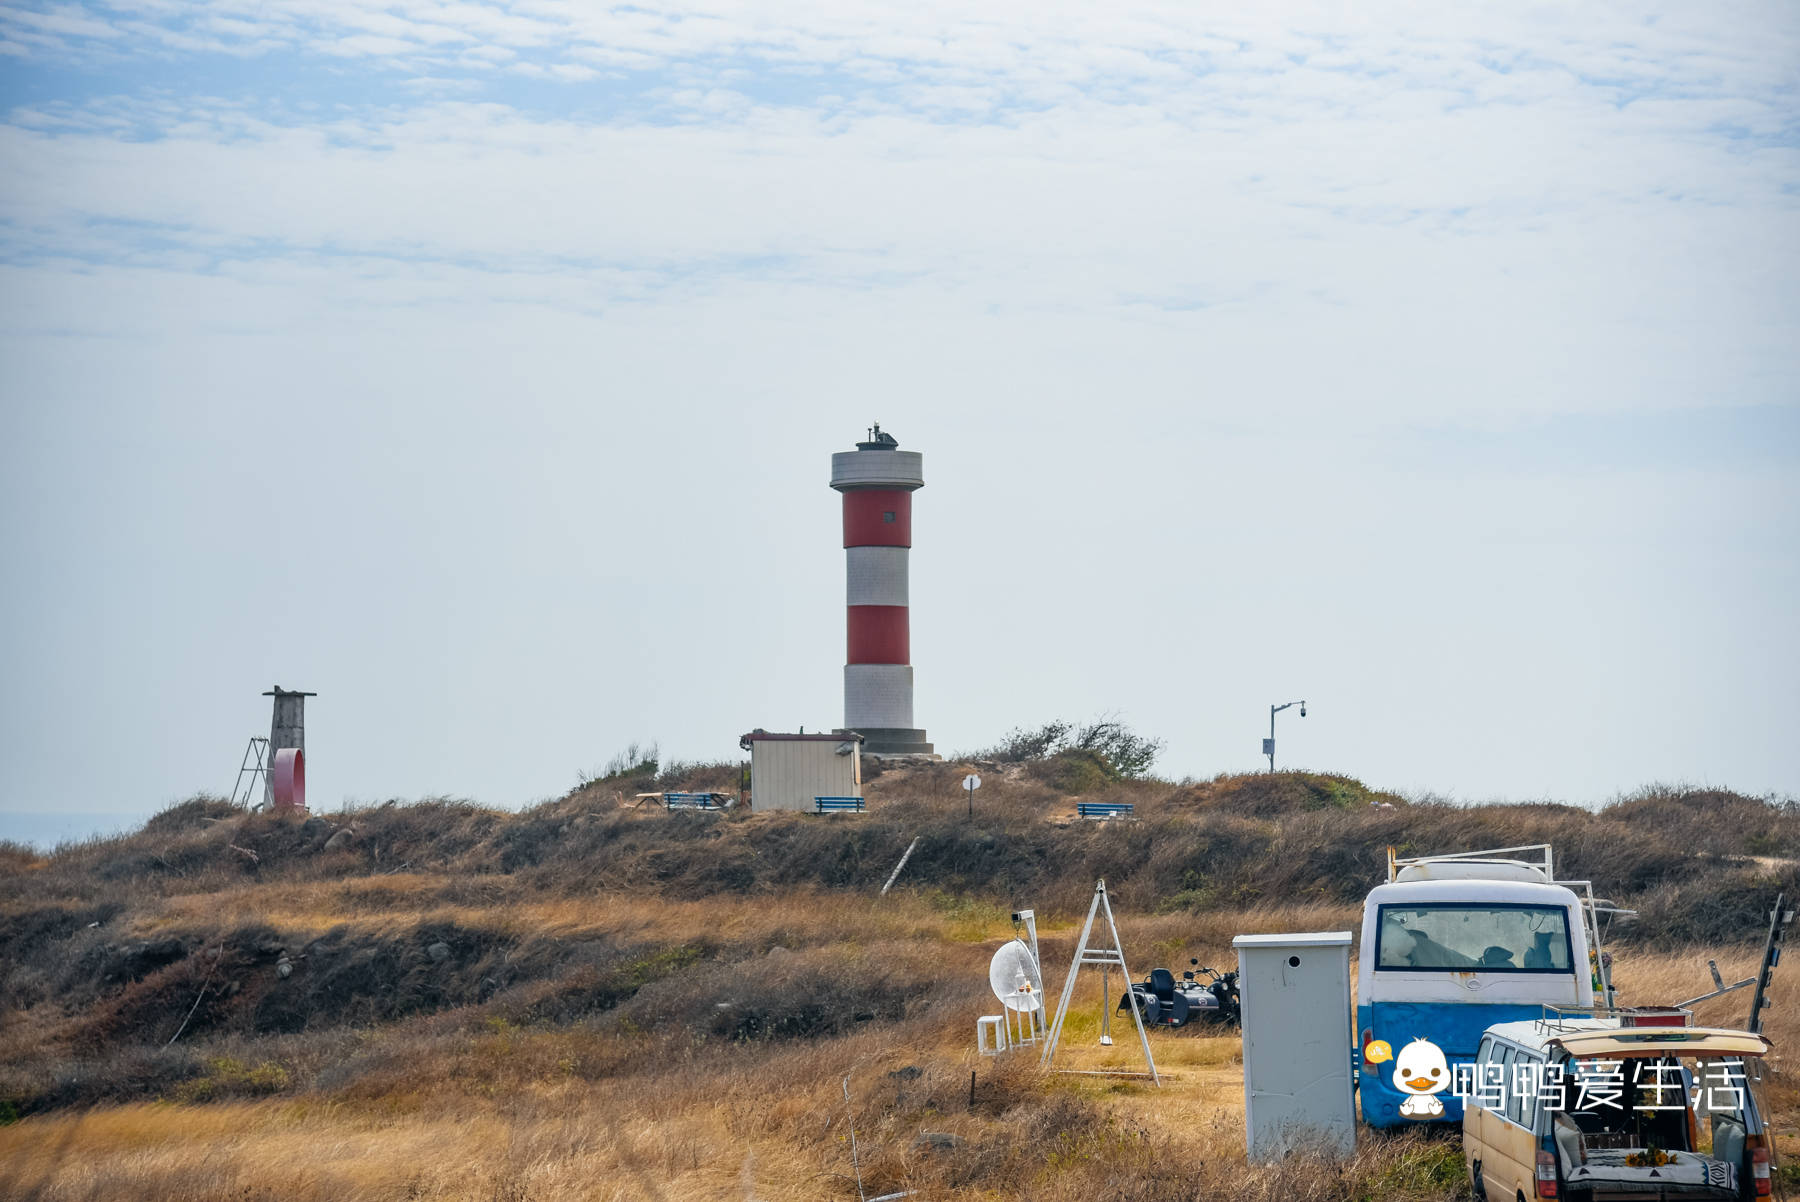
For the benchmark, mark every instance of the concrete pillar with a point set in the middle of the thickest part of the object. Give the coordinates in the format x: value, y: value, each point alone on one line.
x: 287, y: 728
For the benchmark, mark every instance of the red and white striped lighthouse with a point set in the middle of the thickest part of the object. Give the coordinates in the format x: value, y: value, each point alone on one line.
x: 877, y: 480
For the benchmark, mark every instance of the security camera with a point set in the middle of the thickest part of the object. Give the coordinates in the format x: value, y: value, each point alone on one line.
x: 1303, y: 709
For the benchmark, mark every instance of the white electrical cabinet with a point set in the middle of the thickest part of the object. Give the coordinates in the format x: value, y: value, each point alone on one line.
x: 1297, y: 1043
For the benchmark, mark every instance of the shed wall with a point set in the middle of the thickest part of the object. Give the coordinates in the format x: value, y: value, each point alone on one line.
x: 786, y: 774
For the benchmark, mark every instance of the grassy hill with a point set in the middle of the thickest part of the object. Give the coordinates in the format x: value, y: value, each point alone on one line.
x: 592, y: 1000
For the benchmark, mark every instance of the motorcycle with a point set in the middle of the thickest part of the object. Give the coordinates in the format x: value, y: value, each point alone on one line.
x: 1162, y: 1002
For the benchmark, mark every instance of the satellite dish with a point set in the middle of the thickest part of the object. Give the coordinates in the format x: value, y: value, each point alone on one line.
x: 1013, y: 976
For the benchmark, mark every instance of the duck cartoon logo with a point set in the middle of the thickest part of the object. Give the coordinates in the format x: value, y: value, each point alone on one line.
x: 1420, y: 1071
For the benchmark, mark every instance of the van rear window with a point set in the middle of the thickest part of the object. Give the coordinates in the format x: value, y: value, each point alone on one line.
x: 1458, y: 937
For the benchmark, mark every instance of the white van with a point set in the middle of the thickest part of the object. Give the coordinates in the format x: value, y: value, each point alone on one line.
x: 1593, y: 1110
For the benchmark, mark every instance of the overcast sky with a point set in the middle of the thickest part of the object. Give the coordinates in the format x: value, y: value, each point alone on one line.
x: 479, y: 366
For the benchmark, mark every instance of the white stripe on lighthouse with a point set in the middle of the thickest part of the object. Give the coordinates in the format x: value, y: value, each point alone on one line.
x: 878, y: 696
x: 876, y: 575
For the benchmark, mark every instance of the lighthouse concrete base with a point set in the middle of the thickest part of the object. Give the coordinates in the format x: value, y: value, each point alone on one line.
x: 892, y: 741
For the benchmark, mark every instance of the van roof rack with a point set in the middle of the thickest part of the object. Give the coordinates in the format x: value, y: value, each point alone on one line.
x: 1559, y: 1018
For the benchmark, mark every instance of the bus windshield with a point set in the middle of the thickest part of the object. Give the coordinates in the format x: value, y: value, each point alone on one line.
x: 1479, y: 937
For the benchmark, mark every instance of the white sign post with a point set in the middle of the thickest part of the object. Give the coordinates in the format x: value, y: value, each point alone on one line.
x: 971, y: 782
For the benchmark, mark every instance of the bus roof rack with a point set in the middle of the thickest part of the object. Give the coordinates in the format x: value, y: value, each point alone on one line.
x: 1544, y: 864
x: 1529, y: 861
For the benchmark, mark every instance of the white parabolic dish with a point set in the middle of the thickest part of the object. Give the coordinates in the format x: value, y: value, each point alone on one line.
x: 1014, y: 978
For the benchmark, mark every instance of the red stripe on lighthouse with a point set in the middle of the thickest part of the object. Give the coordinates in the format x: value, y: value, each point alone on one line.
x: 879, y: 634
x: 878, y: 517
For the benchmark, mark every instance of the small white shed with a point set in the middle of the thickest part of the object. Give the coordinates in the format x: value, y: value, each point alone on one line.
x: 787, y: 772
x: 1297, y: 1040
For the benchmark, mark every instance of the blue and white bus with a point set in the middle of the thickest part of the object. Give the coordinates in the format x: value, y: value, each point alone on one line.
x: 1454, y: 944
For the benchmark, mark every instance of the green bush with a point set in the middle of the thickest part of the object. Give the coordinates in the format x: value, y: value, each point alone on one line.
x: 229, y: 1078
x: 1085, y: 757
x: 638, y: 761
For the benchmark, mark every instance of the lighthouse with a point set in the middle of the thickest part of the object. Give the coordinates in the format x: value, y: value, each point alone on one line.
x: 877, y: 481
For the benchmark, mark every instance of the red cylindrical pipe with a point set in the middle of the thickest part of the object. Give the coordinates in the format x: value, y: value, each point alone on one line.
x: 879, y: 634
x: 878, y: 517
x: 290, y: 779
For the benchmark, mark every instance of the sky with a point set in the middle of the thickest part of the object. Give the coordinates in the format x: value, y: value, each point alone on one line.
x: 478, y: 367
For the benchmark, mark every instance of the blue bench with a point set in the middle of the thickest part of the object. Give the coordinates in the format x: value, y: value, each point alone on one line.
x: 1103, y: 809
x: 839, y: 805
x: 692, y: 801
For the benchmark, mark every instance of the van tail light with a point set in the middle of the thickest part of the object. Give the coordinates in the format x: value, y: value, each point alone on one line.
x: 1368, y: 1037
x: 1759, y: 1170
x: 1546, y: 1175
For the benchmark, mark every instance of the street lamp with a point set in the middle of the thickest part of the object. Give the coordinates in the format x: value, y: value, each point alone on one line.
x: 1269, y: 743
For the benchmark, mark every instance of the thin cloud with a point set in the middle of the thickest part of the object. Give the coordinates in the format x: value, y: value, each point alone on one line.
x: 1481, y: 186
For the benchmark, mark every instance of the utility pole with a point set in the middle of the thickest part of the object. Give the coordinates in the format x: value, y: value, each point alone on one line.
x: 1269, y: 743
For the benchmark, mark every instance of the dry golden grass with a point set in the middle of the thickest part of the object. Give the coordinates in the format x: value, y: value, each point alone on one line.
x: 438, y: 1107
x: 776, y: 1132
x: 574, y: 1046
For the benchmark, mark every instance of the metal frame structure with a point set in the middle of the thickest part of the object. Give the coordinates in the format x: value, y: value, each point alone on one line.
x: 1028, y: 920
x: 1779, y: 918
x: 1033, y: 1025
x: 1021, y: 1027
x: 257, y: 751
x: 1720, y: 988
x: 1108, y: 958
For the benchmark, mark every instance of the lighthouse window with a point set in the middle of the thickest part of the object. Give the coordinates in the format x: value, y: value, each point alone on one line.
x: 888, y: 516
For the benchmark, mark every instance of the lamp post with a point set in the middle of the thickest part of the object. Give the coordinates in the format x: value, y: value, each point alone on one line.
x: 1269, y: 743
